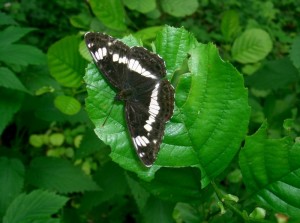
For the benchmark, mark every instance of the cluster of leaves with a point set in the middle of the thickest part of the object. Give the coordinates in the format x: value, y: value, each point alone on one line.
x: 225, y: 155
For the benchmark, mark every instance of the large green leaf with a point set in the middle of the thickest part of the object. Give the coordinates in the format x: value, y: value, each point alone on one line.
x: 271, y: 171
x: 253, y: 45
x: 210, y: 117
x: 59, y: 175
x: 38, y: 206
x: 65, y: 63
x: 12, y: 177
x: 110, y: 12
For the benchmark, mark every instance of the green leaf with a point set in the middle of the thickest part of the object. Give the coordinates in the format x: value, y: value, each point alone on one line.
x: 148, y: 33
x: 12, y: 34
x: 9, y: 80
x: 158, y: 211
x: 271, y: 171
x: 90, y: 144
x: 180, y: 184
x: 141, y: 6
x: 6, y: 19
x: 295, y: 52
x: 210, y: 118
x: 209, y: 122
x: 67, y: 105
x: 185, y: 212
x: 213, y: 112
x: 38, y: 206
x: 21, y: 54
x: 179, y: 8
x: 139, y: 193
x: 59, y: 175
x: 81, y: 20
x: 173, y: 45
x: 10, y: 103
x: 12, y: 177
x: 230, y: 24
x: 110, y: 12
x: 112, y: 181
x: 273, y: 75
x: 253, y: 45
x: 65, y: 63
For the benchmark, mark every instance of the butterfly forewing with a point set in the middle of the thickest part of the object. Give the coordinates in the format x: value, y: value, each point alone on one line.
x: 110, y: 56
x: 137, y: 74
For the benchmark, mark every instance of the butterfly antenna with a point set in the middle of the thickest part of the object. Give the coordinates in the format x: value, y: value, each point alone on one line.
x: 108, y: 114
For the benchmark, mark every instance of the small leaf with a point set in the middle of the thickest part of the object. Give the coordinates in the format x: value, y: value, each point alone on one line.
x: 56, y: 139
x: 12, y: 177
x: 59, y: 175
x: 141, y: 6
x: 38, y: 206
x: 253, y: 45
x: 67, y: 105
x: 9, y: 80
x: 10, y: 103
x: 271, y: 171
x: 179, y: 8
x: 295, y: 52
x: 65, y: 63
x: 36, y: 140
x: 230, y: 24
x: 110, y: 13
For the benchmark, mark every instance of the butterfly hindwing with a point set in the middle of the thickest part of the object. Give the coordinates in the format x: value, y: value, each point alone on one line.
x: 146, y: 121
x: 138, y: 75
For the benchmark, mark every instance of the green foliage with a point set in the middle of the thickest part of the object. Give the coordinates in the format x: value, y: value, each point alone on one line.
x: 229, y: 154
x: 270, y: 168
x: 38, y: 206
x: 43, y: 174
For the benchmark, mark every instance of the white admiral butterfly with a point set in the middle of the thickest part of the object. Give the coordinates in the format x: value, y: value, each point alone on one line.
x: 138, y: 76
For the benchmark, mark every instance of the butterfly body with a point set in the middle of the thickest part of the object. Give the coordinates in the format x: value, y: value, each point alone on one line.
x: 138, y: 77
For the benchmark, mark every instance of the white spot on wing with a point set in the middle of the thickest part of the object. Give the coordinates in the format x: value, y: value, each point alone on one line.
x: 115, y: 57
x: 141, y: 154
x: 100, y: 54
x: 104, y: 51
x: 148, y: 127
x: 96, y: 56
x: 145, y: 139
x: 142, y: 141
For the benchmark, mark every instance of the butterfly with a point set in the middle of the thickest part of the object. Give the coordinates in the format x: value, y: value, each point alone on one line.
x: 138, y: 76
